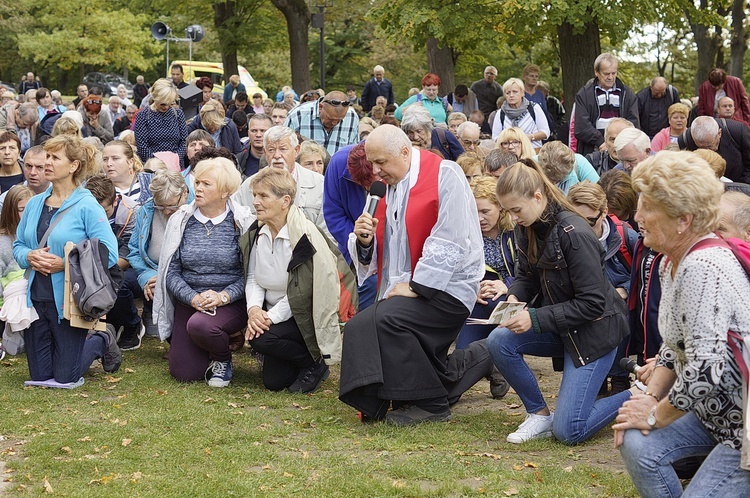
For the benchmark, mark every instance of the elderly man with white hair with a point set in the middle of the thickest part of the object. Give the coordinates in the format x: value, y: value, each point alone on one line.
x: 419, y: 126
x: 468, y: 134
x: 633, y: 147
x: 378, y: 86
x: 281, y: 148
x: 729, y: 138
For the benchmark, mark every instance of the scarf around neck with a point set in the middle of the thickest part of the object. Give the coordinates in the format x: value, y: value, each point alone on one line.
x: 516, y: 114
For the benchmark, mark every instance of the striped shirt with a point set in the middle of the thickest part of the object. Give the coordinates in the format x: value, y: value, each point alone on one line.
x: 305, y: 119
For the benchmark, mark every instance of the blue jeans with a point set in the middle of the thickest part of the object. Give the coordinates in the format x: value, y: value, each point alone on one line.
x: 367, y: 292
x: 472, y: 333
x: 649, y: 461
x: 124, y: 313
x: 53, y: 348
x: 579, y: 415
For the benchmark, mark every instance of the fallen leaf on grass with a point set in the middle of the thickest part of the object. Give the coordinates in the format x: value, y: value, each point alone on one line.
x: 287, y: 474
x: 66, y: 449
x: 513, y: 405
x: 126, y: 441
x: 518, y: 467
x: 129, y: 370
x: 161, y: 393
x: 569, y: 468
x: 297, y: 405
x: 137, y: 476
x: 209, y: 400
x: 510, y: 492
x: 111, y: 379
x: 207, y: 451
x: 47, y: 487
x: 530, y: 465
x: 84, y: 439
x: 398, y: 484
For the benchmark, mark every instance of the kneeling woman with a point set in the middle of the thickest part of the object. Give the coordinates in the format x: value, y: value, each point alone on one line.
x: 579, y: 316
x: 297, y: 333
x: 199, y: 299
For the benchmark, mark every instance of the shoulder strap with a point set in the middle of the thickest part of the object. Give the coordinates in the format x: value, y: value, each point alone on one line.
x: 43, y: 242
x: 725, y: 129
x: 443, y: 141
x: 623, y: 253
x: 531, y: 110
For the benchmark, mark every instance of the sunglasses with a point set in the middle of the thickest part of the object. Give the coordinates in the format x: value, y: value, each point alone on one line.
x: 337, y: 103
x: 592, y: 221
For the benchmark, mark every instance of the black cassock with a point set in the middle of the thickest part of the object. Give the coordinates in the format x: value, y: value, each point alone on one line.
x: 397, y: 350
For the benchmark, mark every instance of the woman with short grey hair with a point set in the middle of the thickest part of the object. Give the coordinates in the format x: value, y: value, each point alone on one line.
x: 169, y: 192
x: 419, y: 126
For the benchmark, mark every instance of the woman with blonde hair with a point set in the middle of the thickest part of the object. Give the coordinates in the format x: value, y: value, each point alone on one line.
x: 66, y: 212
x: 199, y: 297
x: 222, y: 129
x: 313, y: 156
x: 678, y: 117
x: 161, y: 126
x: 519, y: 112
x: 515, y: 140
x: 499, y: 259
x: 571, y: 311
x: 472, y: 165
x: 694, y: 402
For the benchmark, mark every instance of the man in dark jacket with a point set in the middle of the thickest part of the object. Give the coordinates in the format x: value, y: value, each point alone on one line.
x: 729, y: 138
x: 140, y: 90
x: 653, y: 102
x: 378, y: 85
x: 601, y: 99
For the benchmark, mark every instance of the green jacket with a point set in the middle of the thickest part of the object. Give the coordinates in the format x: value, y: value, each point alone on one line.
x: 316, y: 271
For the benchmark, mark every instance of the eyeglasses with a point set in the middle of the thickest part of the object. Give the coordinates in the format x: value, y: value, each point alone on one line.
x: 510, y: 143
x: 470, y: 142
x: 337, y: 103
x: 592, y: 221
x: 93, y: 101
x: 170, y: 208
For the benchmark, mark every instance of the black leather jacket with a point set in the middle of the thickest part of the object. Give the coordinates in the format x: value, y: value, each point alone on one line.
x: 567, y: 291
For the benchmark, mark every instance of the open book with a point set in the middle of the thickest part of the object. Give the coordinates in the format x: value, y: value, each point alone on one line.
x: 503, y: 312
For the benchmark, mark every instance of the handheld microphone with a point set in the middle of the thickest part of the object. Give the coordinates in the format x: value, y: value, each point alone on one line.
x: 629, y: 365
x: 377, y: 192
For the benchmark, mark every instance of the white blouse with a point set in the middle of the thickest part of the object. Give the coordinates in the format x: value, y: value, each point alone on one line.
x: 267, y: 282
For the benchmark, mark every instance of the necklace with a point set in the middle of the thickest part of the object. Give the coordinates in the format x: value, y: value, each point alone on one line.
x: 208, y: 232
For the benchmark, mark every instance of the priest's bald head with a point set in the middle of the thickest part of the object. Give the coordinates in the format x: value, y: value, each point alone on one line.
x: 388, y: 148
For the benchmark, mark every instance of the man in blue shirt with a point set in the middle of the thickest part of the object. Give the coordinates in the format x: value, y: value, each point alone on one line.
x: 330, y: 121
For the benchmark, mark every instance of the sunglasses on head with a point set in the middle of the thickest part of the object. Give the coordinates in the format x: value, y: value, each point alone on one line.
x: 337, y: 103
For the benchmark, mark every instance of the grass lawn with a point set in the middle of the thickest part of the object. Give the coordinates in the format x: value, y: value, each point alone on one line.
x: 139, y: 433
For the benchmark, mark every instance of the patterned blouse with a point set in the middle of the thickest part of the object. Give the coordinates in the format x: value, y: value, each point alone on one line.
x: 160, y: 131
x: 697, y: 308
x: 500, y: 254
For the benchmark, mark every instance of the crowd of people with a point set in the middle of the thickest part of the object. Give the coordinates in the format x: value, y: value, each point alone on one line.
x: 331, y: 228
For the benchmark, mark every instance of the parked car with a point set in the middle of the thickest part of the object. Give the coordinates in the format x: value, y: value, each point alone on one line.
x: 108, y: 83
x: 215, y: 71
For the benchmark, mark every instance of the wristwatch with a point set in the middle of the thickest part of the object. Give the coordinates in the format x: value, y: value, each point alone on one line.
x: 651, y: 419
x: 224, y: 297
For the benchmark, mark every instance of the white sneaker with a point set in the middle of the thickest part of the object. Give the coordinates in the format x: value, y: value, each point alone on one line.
x: 535, y: 426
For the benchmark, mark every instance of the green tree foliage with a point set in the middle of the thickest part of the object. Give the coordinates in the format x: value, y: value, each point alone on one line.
x: 77, y: 34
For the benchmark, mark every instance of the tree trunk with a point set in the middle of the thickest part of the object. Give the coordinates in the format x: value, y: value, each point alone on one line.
x: 224, y: 15
x: 707, y: 45
x: 738, y: 43
x: 442, y: 61
x: 297, y: 22
x: 577, y: 54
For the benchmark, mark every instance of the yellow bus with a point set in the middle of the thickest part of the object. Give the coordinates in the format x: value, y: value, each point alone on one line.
x: 215, y: 71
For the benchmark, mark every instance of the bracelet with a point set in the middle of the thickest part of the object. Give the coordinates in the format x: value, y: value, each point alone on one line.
x: 649, y: 393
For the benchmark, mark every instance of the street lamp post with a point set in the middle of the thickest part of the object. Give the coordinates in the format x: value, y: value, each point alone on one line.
x: 318, y: 22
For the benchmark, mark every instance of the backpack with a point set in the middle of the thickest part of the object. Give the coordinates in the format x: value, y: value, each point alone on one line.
x: 623, y: 253
x: 445, y: 146
x: 93, y: 285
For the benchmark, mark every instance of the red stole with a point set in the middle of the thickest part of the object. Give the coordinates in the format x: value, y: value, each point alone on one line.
x: 421, y: 210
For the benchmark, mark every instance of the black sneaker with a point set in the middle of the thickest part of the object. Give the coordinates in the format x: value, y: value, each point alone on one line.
x: 112, y: 358
x: 498, y: 385
x: 309, y: 379
x: 131, y: 337
x: 413, y: 415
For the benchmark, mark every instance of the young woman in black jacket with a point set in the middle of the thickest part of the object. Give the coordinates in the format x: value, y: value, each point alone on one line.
x: 573, y: 311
